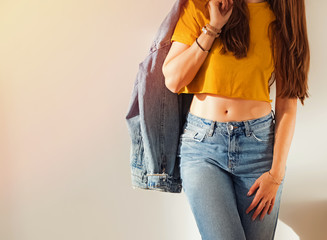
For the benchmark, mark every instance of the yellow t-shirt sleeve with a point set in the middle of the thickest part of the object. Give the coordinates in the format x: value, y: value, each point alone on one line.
x: 187, y: 28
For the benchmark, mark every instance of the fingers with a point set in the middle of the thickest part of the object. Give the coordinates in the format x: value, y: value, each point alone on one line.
x: 215, y: 3
x: 264, y: 198
x: 253, y: 187
x: 227, y: 9
x: 254, y: 203
x: 265, y: 209
x: 230, y: 4
x: 223, y: 5
x: 261, y: 206
x: 226, y: 4
x: 220, y: 11
x: 271, y: 206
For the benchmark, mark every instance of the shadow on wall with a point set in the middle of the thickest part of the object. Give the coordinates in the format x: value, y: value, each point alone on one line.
x: 307, y: 219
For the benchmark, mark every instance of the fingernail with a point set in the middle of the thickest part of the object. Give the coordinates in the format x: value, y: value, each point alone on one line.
x: 248, y: 193
x: 252, y: 219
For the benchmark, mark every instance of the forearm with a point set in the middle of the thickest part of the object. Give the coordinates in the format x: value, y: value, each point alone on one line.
x: 181, y: 70
x: 284, y: 130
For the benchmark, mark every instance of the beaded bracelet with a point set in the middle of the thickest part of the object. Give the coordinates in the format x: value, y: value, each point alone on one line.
x: 212, y: 28
x: 210, y: 32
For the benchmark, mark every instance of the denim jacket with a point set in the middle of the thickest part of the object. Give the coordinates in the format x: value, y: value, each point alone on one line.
x: 156, y: 116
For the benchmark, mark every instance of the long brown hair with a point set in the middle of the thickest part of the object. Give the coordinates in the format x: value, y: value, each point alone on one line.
x: 288, y: 35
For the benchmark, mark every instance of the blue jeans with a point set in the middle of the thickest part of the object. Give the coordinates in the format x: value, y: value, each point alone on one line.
x: 219, y: 162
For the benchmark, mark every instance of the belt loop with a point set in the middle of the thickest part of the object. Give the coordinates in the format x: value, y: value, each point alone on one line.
x: 211, y: 128
x: 247, y: 128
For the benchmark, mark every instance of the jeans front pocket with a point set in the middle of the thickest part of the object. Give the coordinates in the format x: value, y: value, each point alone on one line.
x: 193, y: 133
x: 264, y: 134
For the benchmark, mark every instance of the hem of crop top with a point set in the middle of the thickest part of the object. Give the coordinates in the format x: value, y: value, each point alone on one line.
x: 241, y: 97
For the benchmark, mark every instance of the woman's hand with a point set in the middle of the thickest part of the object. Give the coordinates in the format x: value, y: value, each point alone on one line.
x: 266, y: 193
x: 220, y: 11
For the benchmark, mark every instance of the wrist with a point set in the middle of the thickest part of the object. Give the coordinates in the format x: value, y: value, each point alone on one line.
x: 211, y: 31
x: 277, y: 181
x: 277, y: 174
x: 216, y: 25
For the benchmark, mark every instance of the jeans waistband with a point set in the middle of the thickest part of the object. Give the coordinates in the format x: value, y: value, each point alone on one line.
x: 235, y: 126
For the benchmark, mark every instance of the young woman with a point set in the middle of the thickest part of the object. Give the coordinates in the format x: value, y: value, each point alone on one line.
x: 233, y: 149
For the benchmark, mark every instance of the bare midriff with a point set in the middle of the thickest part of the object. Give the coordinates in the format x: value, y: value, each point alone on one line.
x: 226, y: 109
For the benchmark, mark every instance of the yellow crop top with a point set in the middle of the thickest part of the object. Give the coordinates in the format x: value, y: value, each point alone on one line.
x: 225, y: 75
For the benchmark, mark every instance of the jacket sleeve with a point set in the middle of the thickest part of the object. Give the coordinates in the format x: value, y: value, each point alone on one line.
x: 187, y: 28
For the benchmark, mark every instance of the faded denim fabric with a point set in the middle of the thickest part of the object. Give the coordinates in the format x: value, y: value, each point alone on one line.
x: 220, y: 161
x: 156, y: 116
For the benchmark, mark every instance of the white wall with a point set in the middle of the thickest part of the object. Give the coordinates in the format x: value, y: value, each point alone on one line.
x: 66, y: 74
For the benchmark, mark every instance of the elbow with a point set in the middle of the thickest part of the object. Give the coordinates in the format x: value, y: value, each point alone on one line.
x: 285, y: 107
x: 171, y: 86
x: 169, y: 83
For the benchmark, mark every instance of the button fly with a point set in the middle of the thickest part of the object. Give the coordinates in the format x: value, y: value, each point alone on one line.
x: 231, y: 127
